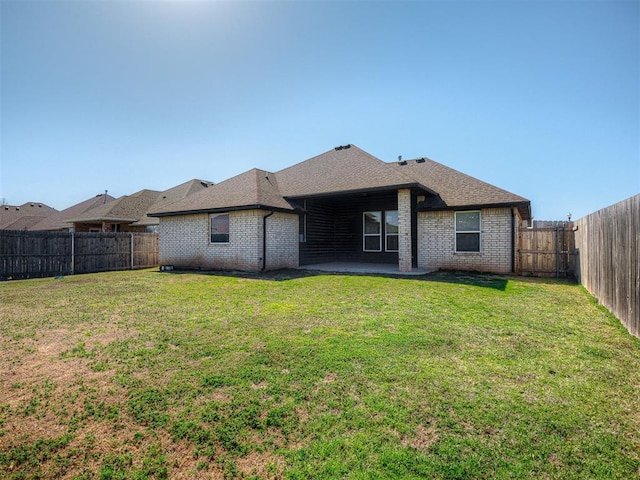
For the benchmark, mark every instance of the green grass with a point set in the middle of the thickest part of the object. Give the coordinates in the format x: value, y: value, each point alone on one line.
x: 153, y: 375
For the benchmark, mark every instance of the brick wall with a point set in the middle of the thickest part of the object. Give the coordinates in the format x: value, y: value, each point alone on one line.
x: 185, y: 242
x: 436, y: 242
x: 282, y: 241
x: 404, y: 230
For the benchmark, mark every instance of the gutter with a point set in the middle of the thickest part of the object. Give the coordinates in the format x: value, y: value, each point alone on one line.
x: 237, y: 208
x: 264, y: 240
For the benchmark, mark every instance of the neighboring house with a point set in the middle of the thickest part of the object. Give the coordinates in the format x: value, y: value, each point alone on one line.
x: 170, y: 196
x: 345, y: 205
x: 129, y: 212
x: 22, y: 217
x: 58, y: 221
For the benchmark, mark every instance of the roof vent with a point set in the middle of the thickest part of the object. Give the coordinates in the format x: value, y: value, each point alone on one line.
x: 343, y: 147
x: 6, y: 208
x: 400, y: 161
x: 204, y: 184
x: 420, y: 160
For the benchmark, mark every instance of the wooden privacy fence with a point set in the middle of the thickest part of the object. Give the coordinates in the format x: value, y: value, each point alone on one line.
x: 546, y: 250
x: 46, y: 254
x: 608, y: 242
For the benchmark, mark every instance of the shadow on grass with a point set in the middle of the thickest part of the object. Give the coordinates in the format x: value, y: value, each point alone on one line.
x: 477, y: 279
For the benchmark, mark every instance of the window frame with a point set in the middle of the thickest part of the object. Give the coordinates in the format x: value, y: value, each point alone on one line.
x: 382, y: 234
x: 365, y: 234
x: 478, y: 231
x: 228, y: 234
x: 387, y: 234
x: 302, y: 224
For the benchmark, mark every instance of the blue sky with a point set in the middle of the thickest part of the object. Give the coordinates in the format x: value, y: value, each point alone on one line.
x: 540, y: 98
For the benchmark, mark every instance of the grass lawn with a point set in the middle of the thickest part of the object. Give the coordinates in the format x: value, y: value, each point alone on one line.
x: 132, y: 375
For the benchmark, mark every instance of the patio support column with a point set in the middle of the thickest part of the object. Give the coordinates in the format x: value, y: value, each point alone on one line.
x: 404, y: 230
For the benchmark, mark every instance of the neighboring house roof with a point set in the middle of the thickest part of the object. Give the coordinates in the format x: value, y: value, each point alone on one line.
x: 133, y: 208
x: 21, y: 217
x: 343, y: 170
x: 253, y: 189
x: 128, y: 208
x: 172, y: 195
x: 59, y: 220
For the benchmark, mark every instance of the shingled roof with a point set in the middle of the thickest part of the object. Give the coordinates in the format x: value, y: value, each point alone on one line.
x: 455, y: 189
x: 173, y: 195
x: 128, y: 208
x: 59, y: 220
x: 253, y: 189
x: 343, y: 170
x: 21, y: 217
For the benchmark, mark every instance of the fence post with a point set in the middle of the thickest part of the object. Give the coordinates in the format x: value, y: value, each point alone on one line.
x: 131, y: 250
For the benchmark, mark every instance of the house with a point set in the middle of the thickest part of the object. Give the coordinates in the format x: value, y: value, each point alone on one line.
x: 345, y: 205
x: 22, y: 217
x: 58, y: 221
x: 129, y: 212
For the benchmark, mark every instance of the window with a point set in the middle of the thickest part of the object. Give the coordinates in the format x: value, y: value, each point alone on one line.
x: 372, y: 231
x: 302, y: 225
x: 467, y: 231
x: 391, y: 230
x: 302, y: 228
x: 220, y: 228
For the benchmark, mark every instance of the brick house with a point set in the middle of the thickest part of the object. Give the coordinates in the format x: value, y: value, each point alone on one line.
x: 345, y: 205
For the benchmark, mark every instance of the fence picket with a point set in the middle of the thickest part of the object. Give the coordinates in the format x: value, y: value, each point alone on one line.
x: 44, y: 254
x: 609, y: 259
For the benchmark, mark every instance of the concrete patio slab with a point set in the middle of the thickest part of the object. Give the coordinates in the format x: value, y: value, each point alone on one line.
x: 353, y: 267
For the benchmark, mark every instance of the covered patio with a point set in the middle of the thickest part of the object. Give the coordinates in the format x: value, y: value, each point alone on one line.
x: 358, y: 229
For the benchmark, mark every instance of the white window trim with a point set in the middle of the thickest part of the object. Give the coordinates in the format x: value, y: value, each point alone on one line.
x: 211, y: 217
x: 365, y: 235
x: 479, y: 232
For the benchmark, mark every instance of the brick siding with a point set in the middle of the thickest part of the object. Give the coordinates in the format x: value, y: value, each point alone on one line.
x: 185, y: 242
x: 283, y: 241
x: 404, y: 230
x: 436, y: 242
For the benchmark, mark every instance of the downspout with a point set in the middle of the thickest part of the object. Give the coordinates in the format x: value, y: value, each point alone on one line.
x: 264, y: 240
x: 513, y: 240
